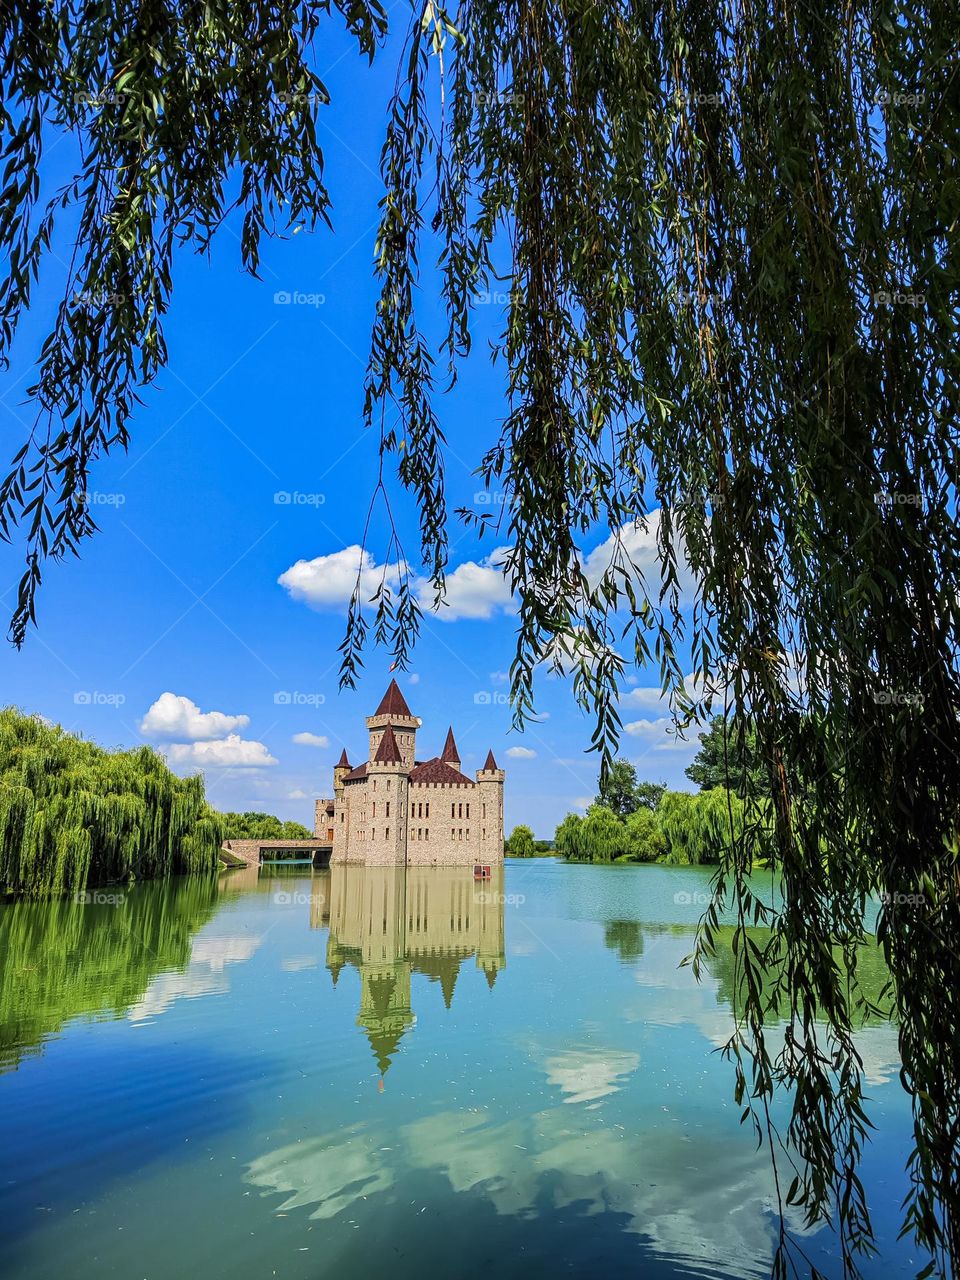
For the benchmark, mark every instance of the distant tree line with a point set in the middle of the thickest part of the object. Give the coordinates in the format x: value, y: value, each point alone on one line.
x: 253, y: 825
x: 637, y: 821
x: 521, y: 843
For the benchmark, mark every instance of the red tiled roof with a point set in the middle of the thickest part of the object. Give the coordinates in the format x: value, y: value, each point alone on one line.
x: 438, y: 771
x: 450, y: 754
x: 393, y: 703
x: 490, y: 763
x: 388, y: 752
x: 343, y: 762
x: 356, y: 774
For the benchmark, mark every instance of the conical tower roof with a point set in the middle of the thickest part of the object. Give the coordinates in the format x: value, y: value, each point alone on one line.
x: 393, y: 703
x: 388, y: 752
x: 343, y: 762
x: 489, y: 763
x: 450, y: 753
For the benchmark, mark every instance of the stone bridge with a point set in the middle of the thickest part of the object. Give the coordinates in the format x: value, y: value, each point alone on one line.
x: 252, y: 852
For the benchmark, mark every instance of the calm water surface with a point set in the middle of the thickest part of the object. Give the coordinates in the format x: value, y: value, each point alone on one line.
x: 360, y: 1074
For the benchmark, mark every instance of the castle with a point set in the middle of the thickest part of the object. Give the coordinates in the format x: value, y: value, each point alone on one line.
x: 395, y: 810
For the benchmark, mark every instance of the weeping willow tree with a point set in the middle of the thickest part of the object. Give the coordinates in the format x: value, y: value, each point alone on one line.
x: 727, y: 235
x: 72, y: 813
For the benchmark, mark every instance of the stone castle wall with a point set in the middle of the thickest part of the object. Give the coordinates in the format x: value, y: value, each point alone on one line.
x: 464, y: 826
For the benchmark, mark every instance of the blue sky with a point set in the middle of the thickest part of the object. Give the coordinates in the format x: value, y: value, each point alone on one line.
x: 180, y: 593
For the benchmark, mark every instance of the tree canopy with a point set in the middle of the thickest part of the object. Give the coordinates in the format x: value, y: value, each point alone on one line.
x: 728, y: 239
x: 728, y: 757
x: 72, y: 813
x: 620, y: 791
x: 520, y: 843
x: 254, y: 825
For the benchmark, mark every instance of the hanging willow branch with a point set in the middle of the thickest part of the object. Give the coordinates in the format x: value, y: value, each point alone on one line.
x: 727, y: 233
x: 727, y: 236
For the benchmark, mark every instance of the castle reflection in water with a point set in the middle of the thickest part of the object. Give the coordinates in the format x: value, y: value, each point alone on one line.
x: 392, y: 922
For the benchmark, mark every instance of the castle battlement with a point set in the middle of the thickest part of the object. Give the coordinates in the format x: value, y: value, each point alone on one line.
x: 387, y: 811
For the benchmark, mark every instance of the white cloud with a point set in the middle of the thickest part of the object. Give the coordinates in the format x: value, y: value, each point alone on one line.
x: 473, y: 590
x: 173, y: 716
x: 296, y: 795
x: 649, y: 729
x: 650, y: 699
x: 232, y: 752
x: 659, y: 735
x: 638, y: 541
x: 414, y: 678
x: 329, y: 581
x: 521, y: 753
x: 310, y: 740
x: 565, y: 653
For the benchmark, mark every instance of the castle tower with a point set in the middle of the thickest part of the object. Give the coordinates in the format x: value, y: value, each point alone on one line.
x: 341, y: 810
x: 387, y: 785
x: 342, y: 767
x: 393, y: 711
x: 490, y: 785
x: 451, y: 755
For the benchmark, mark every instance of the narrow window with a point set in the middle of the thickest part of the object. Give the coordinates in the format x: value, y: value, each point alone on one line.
x: 453, y: 811
x: 373, y: 833
x: 468, y: 811
x: 460, y: 814
x: 484, y: 811
x: 388, y: 808
x: 428, y: 810
x: 386, y: 833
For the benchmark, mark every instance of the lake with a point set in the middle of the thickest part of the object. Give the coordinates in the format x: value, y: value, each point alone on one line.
x: 361, y: 1073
